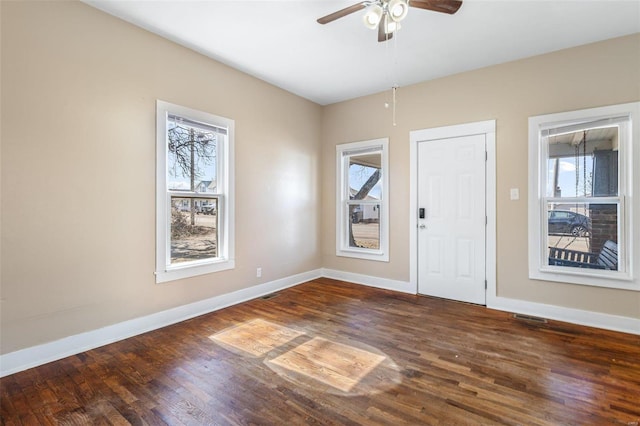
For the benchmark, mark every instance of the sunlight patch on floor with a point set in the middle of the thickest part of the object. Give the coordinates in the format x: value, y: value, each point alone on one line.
x: 256, y: 337
x: 337, y: 365
x: 343, y: 368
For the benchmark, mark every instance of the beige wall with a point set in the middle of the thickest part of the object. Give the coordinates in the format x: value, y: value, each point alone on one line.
x: 78, y: 172
x: 79, y: 91
x: 1, y: 297
x: 572, y: 79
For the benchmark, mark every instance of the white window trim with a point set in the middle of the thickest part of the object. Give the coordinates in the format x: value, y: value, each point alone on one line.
x: 629, y: 215
x: 342, y: 172
x: 226, y: 234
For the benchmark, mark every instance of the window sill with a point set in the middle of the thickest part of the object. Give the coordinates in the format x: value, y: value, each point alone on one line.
x: 364, y: 254
x: 193, y: 270
x: 606, y: 279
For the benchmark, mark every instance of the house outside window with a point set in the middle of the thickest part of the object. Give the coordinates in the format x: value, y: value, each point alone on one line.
x: 362, y: 200
x: 581, y: 205
x: 194, y: 195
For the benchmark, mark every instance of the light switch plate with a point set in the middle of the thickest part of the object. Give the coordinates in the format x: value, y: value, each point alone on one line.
x: 514, y: 194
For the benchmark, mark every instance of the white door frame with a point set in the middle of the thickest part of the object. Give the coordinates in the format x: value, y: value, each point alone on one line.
x: 487, y: 128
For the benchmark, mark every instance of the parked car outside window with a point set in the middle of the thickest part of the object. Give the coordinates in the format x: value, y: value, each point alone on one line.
x: 568, y: 222
x: 208, y: 209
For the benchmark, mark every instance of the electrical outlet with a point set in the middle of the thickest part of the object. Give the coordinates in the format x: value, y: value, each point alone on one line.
x: 258, y: 272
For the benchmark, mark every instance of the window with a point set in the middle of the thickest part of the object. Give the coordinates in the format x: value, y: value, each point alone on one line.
x: 362, y: 198
x: 581, y: 207
x: 194, y: 194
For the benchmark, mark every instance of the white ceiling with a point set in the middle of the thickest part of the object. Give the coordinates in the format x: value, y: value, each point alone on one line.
x: 281, y: 42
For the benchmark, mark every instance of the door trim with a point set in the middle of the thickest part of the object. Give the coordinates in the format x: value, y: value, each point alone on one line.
x: 488, y: 129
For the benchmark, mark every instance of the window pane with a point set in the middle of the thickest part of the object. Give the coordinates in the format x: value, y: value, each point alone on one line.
x: 194, y: 229
x: 582, y: 235
x: 583, y: 163
x: 364, y: 226
x: 192, y: 153
x: 365, y: 181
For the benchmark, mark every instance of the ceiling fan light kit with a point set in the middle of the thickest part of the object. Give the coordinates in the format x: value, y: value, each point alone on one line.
x: 372, y: 17
x: 387, y: 14
x: 398, y: 9
x: 390, y: 13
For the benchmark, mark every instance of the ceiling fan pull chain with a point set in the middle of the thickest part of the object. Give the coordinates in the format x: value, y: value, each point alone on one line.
x: 394, y: 89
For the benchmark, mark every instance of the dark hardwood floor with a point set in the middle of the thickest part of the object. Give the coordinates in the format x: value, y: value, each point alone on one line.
x: 328, y: 352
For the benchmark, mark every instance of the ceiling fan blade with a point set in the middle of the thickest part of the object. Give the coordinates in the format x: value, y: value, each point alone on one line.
x: 342, y: 13
x: 444, y: 6
x: 382, y: 36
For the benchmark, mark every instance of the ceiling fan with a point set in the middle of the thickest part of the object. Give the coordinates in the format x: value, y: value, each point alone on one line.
x: 387, y: 14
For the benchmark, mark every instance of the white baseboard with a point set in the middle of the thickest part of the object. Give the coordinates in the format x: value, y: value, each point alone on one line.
x: 37, y: 355
x: 368, y: 280
x: 559, y: 313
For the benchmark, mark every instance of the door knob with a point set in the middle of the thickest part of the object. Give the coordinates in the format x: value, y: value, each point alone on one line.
x: 422, y: 226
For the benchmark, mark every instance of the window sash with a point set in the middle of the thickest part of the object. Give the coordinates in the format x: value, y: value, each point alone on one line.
x: 621, y: 235
x: 552, y: 129
x: 224, y: 129
x: 346, y: 163
x: 193, y: 194
x: 344, y: 157
x: 540, y: 128
x: 219, y: 229
x: 368, y: 202
x: 346, y: 246
x: 177, y: 118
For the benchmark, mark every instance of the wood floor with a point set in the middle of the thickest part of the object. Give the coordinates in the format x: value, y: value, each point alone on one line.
x: 328, y: 352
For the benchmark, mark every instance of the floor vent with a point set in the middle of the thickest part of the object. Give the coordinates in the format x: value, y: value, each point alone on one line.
x: 530, y: 318
x: 269, y: 296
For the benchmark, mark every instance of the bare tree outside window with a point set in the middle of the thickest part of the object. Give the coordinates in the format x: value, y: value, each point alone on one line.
x: 195, y: 225
x: 362, y: 205
x: 192, y: 161
x: 355, y: 210
x: 364, y: 216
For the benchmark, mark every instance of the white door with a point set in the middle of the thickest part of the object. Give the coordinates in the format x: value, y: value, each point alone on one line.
x: 452, y: 226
